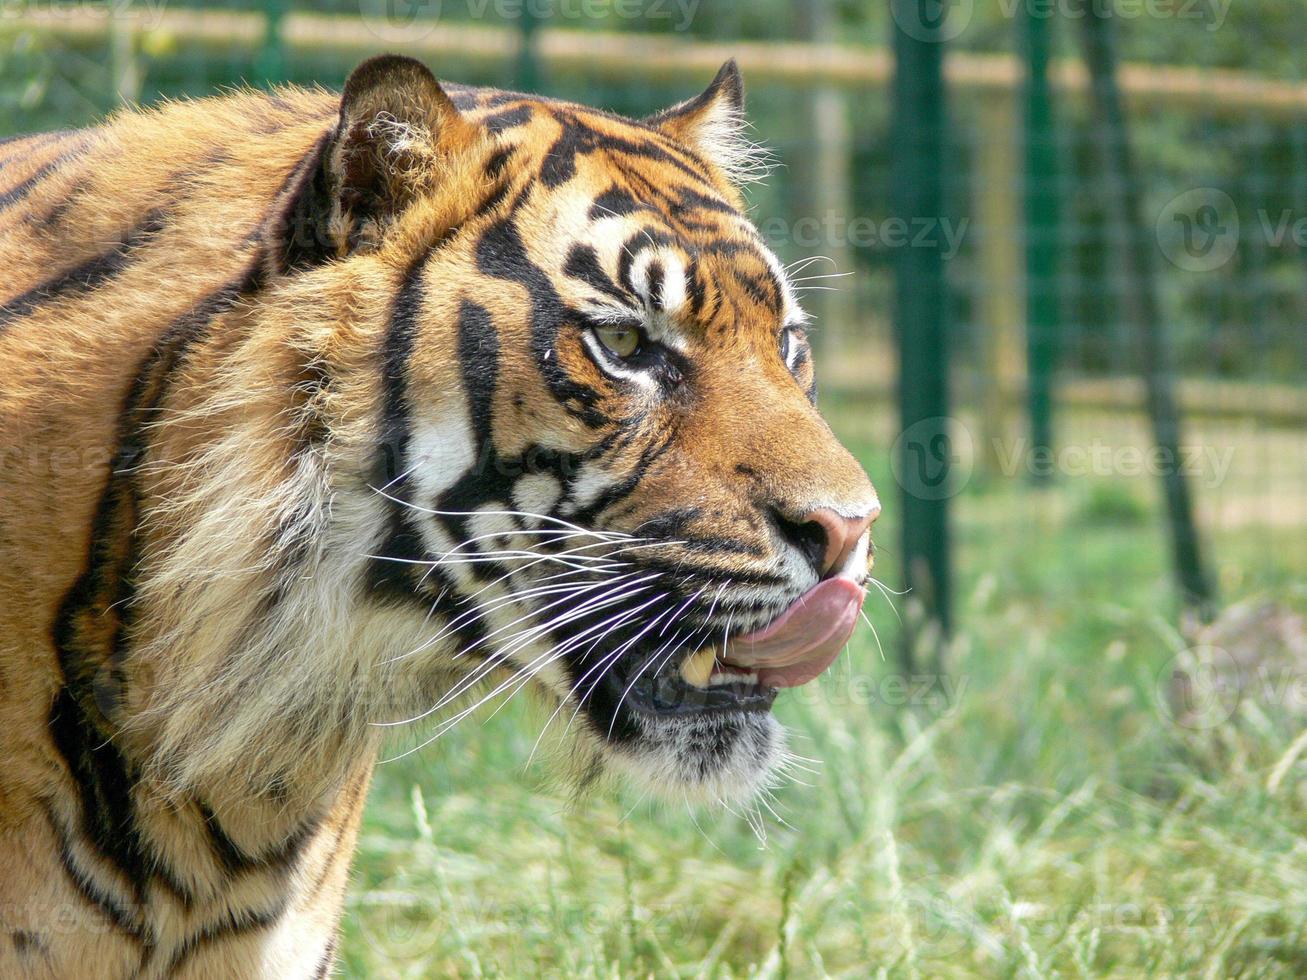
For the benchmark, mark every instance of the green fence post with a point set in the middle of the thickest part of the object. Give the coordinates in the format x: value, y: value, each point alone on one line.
x: 925, y: 456
x: 1042, y: 213
x: 1140, y: 300
x: 527, y: 76
x: 271, y: 61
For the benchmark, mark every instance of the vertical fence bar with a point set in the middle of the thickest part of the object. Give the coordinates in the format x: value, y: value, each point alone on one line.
x: 1042, y: 215
x: 1000, y: 311
x: 1139, y: 279
x: 526, y: 76
x: 820, y: 173
x: 925, y: 456
x: 271, y: 62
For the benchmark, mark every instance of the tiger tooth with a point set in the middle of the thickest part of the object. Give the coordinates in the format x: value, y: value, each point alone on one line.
x: 697, y: 667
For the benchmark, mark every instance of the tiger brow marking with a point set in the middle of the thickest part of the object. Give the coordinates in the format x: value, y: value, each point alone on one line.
x: 579, y: 138
x: 501, y: 254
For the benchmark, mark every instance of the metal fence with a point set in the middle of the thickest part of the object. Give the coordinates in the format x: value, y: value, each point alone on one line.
x: 1045, y: 375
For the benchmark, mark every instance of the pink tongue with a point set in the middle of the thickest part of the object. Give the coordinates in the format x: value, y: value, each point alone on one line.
x: 804, y: 640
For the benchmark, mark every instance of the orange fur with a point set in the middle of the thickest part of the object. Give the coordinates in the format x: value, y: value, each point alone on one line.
x: 201, y: 384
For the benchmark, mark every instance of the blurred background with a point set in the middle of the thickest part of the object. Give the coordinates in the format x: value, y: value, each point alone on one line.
x: 1056, y: 251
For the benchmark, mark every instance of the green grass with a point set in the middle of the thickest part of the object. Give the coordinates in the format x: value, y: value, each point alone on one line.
x: 1030, y: 809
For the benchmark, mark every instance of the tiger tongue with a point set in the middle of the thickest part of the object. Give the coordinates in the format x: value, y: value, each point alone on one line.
x: 805, y: 639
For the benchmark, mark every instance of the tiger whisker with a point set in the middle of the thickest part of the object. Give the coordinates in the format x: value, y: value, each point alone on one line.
x: 528, y: 614
x: 524, y: 674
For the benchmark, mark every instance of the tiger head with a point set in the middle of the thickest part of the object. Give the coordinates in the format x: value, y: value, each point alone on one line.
x: 605, y: 472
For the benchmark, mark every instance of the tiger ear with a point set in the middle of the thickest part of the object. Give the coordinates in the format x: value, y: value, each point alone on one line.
x: 713, y: 125
x: 396, y: 126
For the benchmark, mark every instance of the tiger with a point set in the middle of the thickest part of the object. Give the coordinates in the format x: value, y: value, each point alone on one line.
x: 331, y: 415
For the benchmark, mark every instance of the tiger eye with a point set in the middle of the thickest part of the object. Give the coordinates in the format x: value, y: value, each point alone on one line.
x: 620, y: 341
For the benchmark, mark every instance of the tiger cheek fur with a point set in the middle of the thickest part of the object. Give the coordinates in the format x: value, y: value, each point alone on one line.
x: 326, y: 411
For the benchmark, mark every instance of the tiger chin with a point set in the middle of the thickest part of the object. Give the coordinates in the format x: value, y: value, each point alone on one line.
x: 328, y: 416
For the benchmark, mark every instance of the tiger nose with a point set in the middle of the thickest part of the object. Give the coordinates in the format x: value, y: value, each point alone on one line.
x: 841, y: 534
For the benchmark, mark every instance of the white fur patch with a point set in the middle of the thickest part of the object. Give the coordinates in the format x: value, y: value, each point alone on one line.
x: 588, y: 485
x: 537, y: 493
x: 441, y: 450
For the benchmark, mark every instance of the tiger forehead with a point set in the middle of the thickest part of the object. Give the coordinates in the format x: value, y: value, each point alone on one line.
x: 631, y: 223
x: 560, y: 132
x: 631, y: 262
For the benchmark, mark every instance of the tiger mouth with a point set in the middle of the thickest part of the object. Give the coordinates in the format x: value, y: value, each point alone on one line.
x: 688, y: 688
x: 745, y: 673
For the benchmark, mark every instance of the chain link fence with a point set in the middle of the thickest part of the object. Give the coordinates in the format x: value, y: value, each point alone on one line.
x: 1049, y: 410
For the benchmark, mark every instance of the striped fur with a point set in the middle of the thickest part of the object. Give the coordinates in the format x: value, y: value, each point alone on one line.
x: 302, y: 395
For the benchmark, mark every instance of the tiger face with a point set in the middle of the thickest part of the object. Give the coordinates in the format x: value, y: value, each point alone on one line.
x: 605, y: 463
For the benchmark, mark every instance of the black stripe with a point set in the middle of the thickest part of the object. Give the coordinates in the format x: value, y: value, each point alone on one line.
x: 239, y: 861
x: 583, y: 264
x: 501, y: 255
x: 298, y: 235
x: 87, y: 276
x: 696, y: 287
x: 478, y: 355
x: 24, y: 188
x: 117, y: 913
x: 614, y: 201
x: 679, y: 207
x: 620, y: 491
x: 488, y: 480
x: 643, y: 238
x: 69, y: 199
x: 104, y: 782
x: 507, y: 119
x: 498, y: 161
x: 28, y: 943
x: 396, y: 580
x: 93, y: 618
x: 578, y: 138
x: 36, y: 141
x: 763, y: 291
x: 656, y: 284
x: 232, y: 925
x: 328, y: 957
